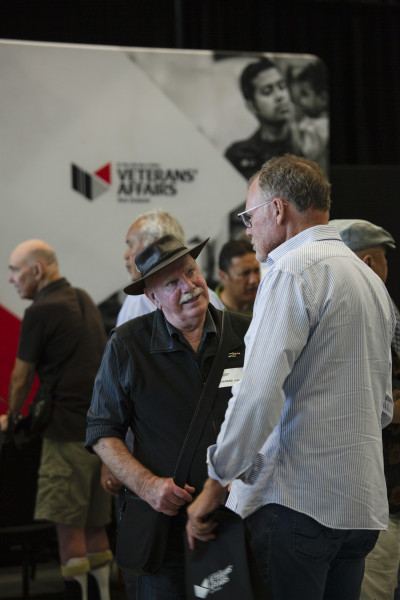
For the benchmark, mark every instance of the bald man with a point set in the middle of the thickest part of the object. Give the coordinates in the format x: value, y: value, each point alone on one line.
x: 62, y: 340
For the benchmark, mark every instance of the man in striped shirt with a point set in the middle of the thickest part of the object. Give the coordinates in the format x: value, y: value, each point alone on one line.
x: 301, y: 441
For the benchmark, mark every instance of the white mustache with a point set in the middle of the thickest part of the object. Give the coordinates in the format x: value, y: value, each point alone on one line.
x: 191, y: 295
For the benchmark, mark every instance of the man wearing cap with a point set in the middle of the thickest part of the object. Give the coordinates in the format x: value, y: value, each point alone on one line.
x: 152, y: 375
x: 369, y: 242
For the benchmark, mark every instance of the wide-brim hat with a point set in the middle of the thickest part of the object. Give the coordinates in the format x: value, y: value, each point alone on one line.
x: 358, y: 234
x: 157, y: 256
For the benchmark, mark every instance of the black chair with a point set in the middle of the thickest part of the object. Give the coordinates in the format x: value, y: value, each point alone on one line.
x: 21, y: 536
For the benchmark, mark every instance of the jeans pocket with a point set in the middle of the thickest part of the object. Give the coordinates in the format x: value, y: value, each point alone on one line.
x: 315, y: 541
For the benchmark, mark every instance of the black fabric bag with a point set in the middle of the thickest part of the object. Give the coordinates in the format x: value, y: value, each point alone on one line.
x: 26, y: 429
x: 40, y: 409
x: 223, y: 568
x: 142, y: 533
x: 142, y: 536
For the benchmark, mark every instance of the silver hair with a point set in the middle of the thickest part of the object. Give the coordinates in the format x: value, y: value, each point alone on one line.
x: 157, y: 223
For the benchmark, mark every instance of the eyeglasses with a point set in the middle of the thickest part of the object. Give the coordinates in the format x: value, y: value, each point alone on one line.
x: 246, y: 218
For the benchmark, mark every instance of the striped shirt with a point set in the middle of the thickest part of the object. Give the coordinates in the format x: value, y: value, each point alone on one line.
x: 396, y: 338
x: 303, y: 428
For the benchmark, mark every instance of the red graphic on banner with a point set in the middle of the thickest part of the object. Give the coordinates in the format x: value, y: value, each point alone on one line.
x: 105, y: 173
x: 10, y: 327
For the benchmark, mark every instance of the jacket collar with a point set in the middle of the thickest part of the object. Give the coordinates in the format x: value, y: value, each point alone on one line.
x: 163, y: 341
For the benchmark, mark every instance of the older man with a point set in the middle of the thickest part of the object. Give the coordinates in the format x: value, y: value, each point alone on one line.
x: 302, y: 438
x: 62, y: 340
x: 370, y: 243
x: 152, y: 374
x: 146, y: 228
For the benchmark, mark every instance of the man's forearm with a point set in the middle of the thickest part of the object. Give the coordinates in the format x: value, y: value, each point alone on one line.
x: 116, y: 456
x: 160, y: 492
x: 21, y: 382
x: 18, y: 395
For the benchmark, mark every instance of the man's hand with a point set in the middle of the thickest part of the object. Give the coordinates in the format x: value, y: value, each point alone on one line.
x: 109, y: 482
x: 160, y: 492
x: 3, y: 422
x: 164, y: 495
x: 199, y: 525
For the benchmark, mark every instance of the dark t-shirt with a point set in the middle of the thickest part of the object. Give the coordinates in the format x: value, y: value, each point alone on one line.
x: 249, y: 155
x: 66, y: 344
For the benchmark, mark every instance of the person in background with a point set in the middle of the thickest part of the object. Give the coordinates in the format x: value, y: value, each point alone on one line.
x: 267, y: 97
x: 62, y: 340
x: 370, y: 242
x: 239, y: 271
x: 302, y: 437
x: 151, y: 377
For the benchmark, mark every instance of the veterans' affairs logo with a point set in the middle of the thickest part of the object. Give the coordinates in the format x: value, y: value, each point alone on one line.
x: 142, y: 182
x: 91, y: 185
x: 213, y: 583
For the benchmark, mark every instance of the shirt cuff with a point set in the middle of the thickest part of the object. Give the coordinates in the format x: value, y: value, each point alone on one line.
x: 249, y: 476
x: 211, y: 470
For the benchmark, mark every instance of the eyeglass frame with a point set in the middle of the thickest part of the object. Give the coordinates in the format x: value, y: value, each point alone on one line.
x: 246, y: 218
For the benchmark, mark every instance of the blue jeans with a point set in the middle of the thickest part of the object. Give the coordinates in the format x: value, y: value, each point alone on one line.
x: 167, y: 584
x: 300, y: 558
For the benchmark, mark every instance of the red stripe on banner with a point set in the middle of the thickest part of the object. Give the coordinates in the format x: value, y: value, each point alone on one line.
x: 10, y: 327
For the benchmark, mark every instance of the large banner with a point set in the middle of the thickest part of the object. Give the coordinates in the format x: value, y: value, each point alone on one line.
x: 93, y: 136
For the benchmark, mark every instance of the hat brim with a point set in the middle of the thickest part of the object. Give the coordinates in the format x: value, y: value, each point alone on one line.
x: 137, y: 287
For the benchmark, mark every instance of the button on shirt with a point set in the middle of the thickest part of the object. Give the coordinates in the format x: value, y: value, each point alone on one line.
x: 303, y: 428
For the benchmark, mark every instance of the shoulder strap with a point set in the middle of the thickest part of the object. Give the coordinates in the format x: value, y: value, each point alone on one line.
x: 204, y: 404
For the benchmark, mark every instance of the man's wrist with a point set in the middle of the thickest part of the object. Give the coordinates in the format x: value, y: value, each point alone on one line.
x: 12, y: 417
x: 216, y: 490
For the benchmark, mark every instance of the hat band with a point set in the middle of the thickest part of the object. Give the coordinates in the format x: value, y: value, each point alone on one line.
x: 161, y: 259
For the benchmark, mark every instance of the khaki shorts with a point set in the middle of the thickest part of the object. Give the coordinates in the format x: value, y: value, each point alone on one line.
x: 69, y: 490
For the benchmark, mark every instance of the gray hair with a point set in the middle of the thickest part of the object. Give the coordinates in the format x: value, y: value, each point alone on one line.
x: 296, y: 179
x: 158, y: 222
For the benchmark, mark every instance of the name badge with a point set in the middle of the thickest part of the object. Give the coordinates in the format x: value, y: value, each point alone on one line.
x: 231, y: 376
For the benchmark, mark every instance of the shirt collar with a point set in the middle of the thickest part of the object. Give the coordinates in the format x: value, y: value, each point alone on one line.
x: 51, y: 287
x: 209, y: 327
x: 318, y: 233
x: 164, y: 333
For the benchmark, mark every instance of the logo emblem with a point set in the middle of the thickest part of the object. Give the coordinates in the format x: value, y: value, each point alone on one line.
x: 213, y: 583
x: 91, y: 185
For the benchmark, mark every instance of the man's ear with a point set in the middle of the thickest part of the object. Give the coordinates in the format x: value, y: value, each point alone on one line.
x: 280, y: 208
x: 38, y: 270
x: 150, y: 295
x: 224, y: 277
x: 367, y: 259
